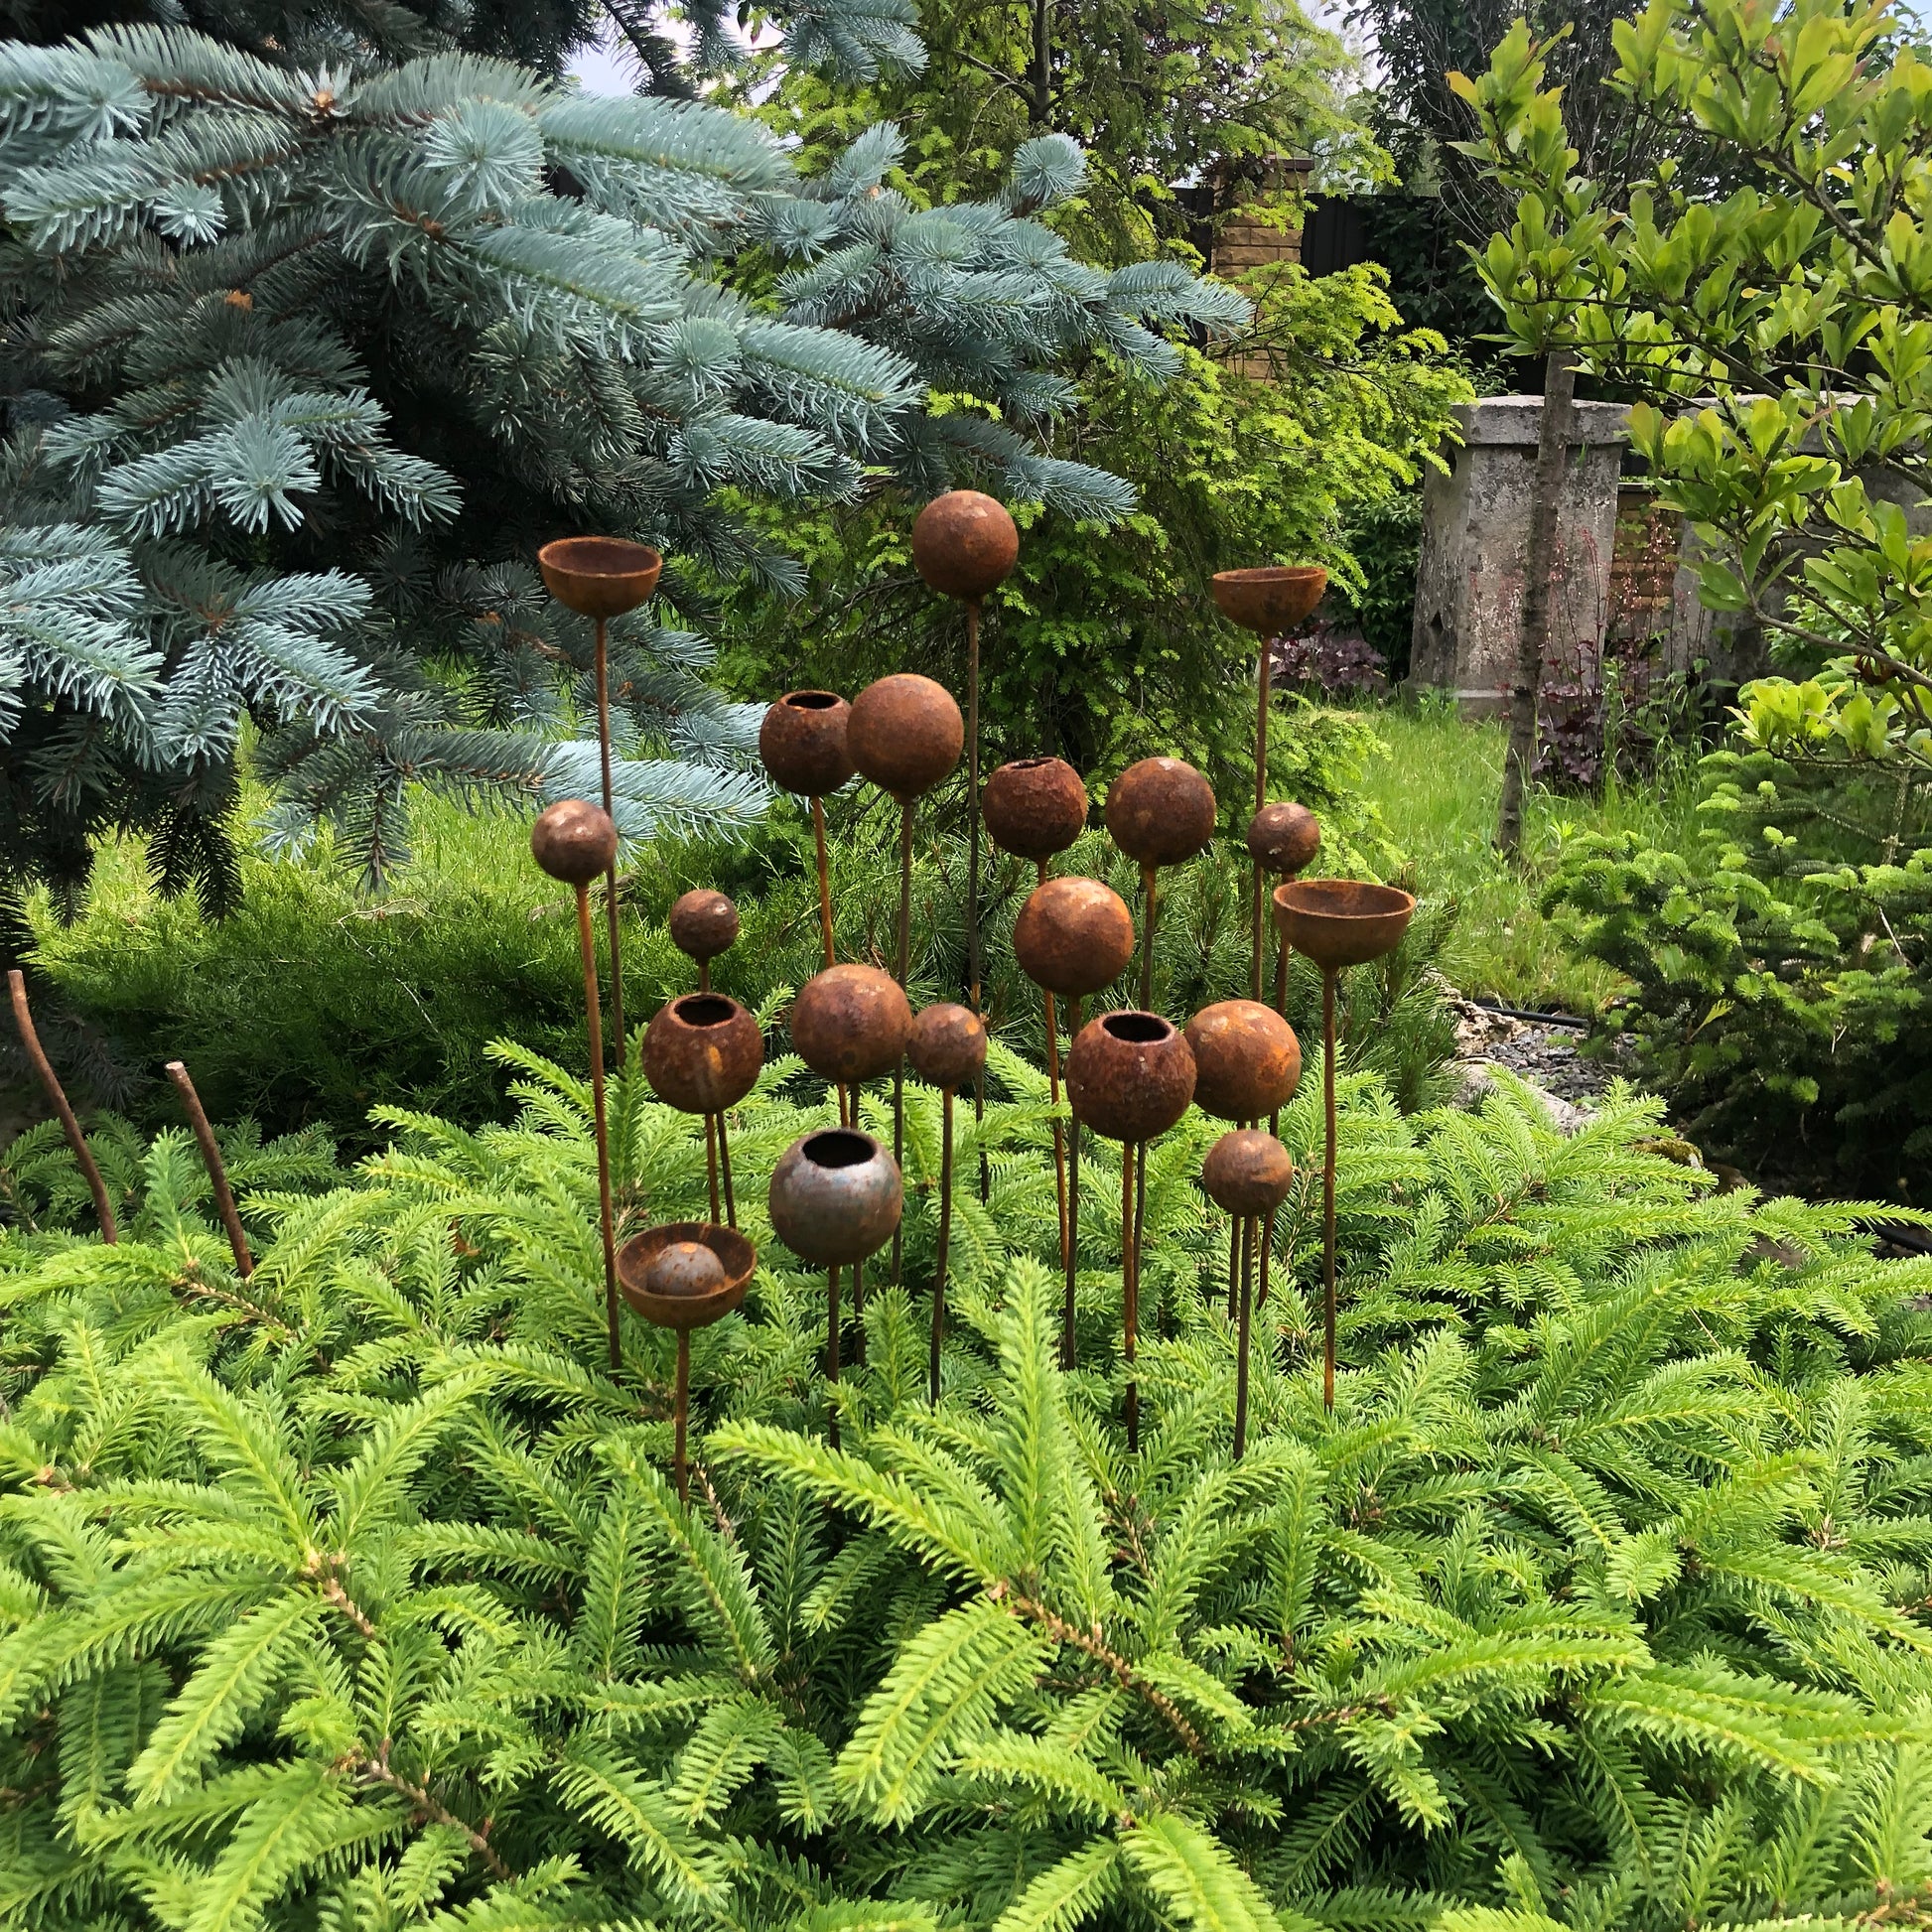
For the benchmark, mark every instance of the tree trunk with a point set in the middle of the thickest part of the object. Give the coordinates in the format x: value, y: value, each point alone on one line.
x: 1546, y: 500
x: 1043, y: 64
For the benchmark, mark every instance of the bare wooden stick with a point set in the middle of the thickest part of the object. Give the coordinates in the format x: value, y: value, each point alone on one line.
x: 217, y: 1174
x: 29, y: 1042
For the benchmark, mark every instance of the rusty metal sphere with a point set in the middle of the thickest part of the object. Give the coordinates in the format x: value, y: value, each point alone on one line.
x: 1073, y: 936
x: 600, y: 577
x: 850, y: 1023
x: 964, y: 544
x: 1339, y: 923
x: 1284, y: 837
x: 684, y: 1269
x: 703, y: 1052
x: 1271, y: 601
x: 704, y: 923
x: 1130, y: 1075
x: 906, y: 733
x: 834, y: 1197
x: 947, y: 1046
x: 1035, y: 807
x: 1160, y: 811
x: 573, y: 841
x: 802, y: 743
x: 1247, y: 1172
x: 684, y: 1295
x: 1247, y: 1060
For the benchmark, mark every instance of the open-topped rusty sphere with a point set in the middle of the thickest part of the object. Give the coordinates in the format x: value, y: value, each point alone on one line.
x: 703, y: 1052
x: 964, y: 544
x: 1247, y: 1172
x: 802, y: 743
x: 947, y: 1046
x: 599, y: 577
x: 834, y: 1197
x: 672, y: 1286
x: 1073, y: 936
x: 1247, y: 1060
x: 850, y: 1023
x: 1130, y: 1075
x: 1160, y: 811
x: 1339, y: 923
x: 573, y: 841
x: 906, y: 733
x: 1284, y: 837
x: 703, y: 923
x: 1271, y: 601
x: 1035, y: 807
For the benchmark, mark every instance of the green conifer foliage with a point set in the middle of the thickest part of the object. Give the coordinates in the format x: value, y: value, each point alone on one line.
x: 321, y: 335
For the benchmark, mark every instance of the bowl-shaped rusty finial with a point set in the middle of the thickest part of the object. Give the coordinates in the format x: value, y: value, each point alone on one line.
x: 834, y: 1197
x: 703, y: 923
x: 1160, y: 811
x: 850, y: 1023
x: 1339, y: 923
x: 947, y: 1046
x: 600, y: 577
x: 1130, y: 1075
x: 906, y: 733
x: 802, y: 742
x: 1247, y: 1060
x: 964, y: 544
x: 1271, y: 601
x: 573, y: 841
x: 685, y: 1274
x: 1073, y: 936
x: 1283, y: 839
x: 1035, y: 807
x: 703, y: 1052
x: 1247, y: 1172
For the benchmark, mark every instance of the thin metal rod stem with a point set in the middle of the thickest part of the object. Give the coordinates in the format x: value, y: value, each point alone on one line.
x: 1241, y: 1342
x: 825, y: 925
x: 832, y: 1351
x: 1274, y: 1124
x: 1068, y: 1340
x: 1267, y: 1255
x: 593, y: 1024
x: 212, y: 1159
x: 906, y: 808
x: 1328, y: 1190
x: 725, y: 1163
x: 610, y: 877
x: 945, y: 1235
x: 1150, y: 897
x: 1054, y: 1089
x: 973, y: 964
x: 711, y: 1165
x: 859, y: 1313
x: 29, y: 1042
x: 1234, y: 1260
x: 1261, y: 800
x: 1130, y: 1267
x: 704, y: 976
x: 683, y: 1411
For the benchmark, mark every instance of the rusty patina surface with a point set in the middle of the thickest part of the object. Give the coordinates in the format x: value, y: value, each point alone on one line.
x: 964, y: 544
x: 906, y: 733
x: 1130, y: 1075
x: 573, y: 841
x: 834, y: 1197
x: 1247, y: 1172
x: 703, y: 1052
x: 1247, y: 1060
x: 1160, y: 811
x: 1284, y: 837
x: 947, y: 1046
x: 599, y: 577
x: 704, y: 923
x: 851, y: 1024
x: 1272, y: 600
x: 1339, y: 923
x: 1073, y: 936
x: 802, y: 742
x: 683, y: 1293
x: 1035, y: 807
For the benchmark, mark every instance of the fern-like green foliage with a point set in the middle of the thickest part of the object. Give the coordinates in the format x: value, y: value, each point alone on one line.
x: 356, y: 1595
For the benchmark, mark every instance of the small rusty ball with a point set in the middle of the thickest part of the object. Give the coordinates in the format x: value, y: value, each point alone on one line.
x: 802, y: 742
x: 964, y: 544
x: 1247, y: 1060
x: 703, y: 1052
x: 573, y: 841
x: 704, y: 923
x: 1160, y: 811
x: 834, y: 1197
x: 684, y: 1270
x: 1247, y: 1172
x: 1284, y: 837
x: 1073, y: 936
x: 947, y: 1046
x: 1130, y: 1075
x: 906, y: 733
x: 850, y: 1023
x: 1035, y: 807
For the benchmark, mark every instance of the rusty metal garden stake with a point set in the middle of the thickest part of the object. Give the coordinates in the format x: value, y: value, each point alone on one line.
x: 29, y: 1042
x: 947, y: 1048
x: 217, y: 1174
x: 1249, y: 1174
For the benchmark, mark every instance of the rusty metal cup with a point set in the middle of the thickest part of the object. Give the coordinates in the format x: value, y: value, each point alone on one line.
x: 702, y: 1056
x: 1271, y: 601
x: 600, y: 577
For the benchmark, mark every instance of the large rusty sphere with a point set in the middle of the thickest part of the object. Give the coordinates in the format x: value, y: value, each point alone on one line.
x: 834, y: 1197
x: 1247, y: 1172
x: 1130, y: 1075
x: 906, y: 733
x: 1284, y: 837
x: 1160, y: 811
x: 683, y: 1269
x: 704, y: 923
x: 1339, y: 923
x: 964, y: 544
x: 703, y: 1052
x: 850, y: 1023
x: 599, y: 577
x: 1073, y: 936
x: 802, y: 743
x: 573, y: 841
x: 1247, y: 1060
x: 947, y: 1046
x: 1035, y: 807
